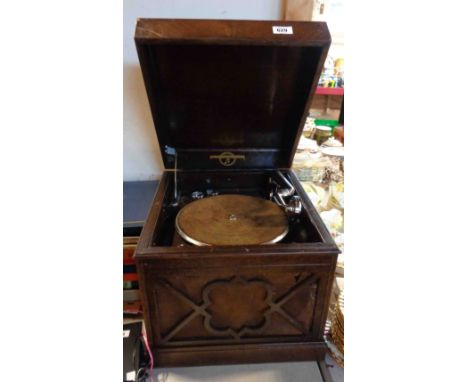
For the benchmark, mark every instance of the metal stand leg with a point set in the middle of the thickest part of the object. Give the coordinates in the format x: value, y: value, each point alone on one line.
x: 326, y: 376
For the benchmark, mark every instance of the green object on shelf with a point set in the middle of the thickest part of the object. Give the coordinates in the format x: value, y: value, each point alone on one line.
x: 326, y: 122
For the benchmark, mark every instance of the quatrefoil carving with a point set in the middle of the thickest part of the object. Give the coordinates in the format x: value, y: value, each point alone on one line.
x: 248, y: 301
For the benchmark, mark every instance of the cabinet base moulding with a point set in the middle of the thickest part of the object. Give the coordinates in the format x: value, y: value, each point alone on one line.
x: 242, y: 354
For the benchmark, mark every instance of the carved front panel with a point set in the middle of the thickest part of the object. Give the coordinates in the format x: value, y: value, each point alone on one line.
x: 222, y: 307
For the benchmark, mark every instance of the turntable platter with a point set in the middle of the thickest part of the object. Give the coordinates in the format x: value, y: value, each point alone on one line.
x: 232, y: 220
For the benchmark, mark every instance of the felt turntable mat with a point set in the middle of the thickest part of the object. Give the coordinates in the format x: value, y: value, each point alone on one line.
x: 232, y: 220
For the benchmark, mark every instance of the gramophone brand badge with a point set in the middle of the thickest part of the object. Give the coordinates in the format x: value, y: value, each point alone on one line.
x: 227, y: 159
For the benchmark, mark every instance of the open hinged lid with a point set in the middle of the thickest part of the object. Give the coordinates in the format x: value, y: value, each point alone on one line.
x: 230, y: 94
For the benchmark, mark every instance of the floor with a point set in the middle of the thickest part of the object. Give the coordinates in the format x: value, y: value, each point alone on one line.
x: 266, y: 372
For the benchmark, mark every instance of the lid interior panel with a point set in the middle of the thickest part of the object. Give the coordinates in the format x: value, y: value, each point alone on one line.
x: 225, y: 97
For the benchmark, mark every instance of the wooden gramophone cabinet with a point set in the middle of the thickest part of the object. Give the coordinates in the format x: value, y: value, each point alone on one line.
x: 230, y: 98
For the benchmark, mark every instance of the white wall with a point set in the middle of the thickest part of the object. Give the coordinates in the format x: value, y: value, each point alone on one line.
x: 141, y: 156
